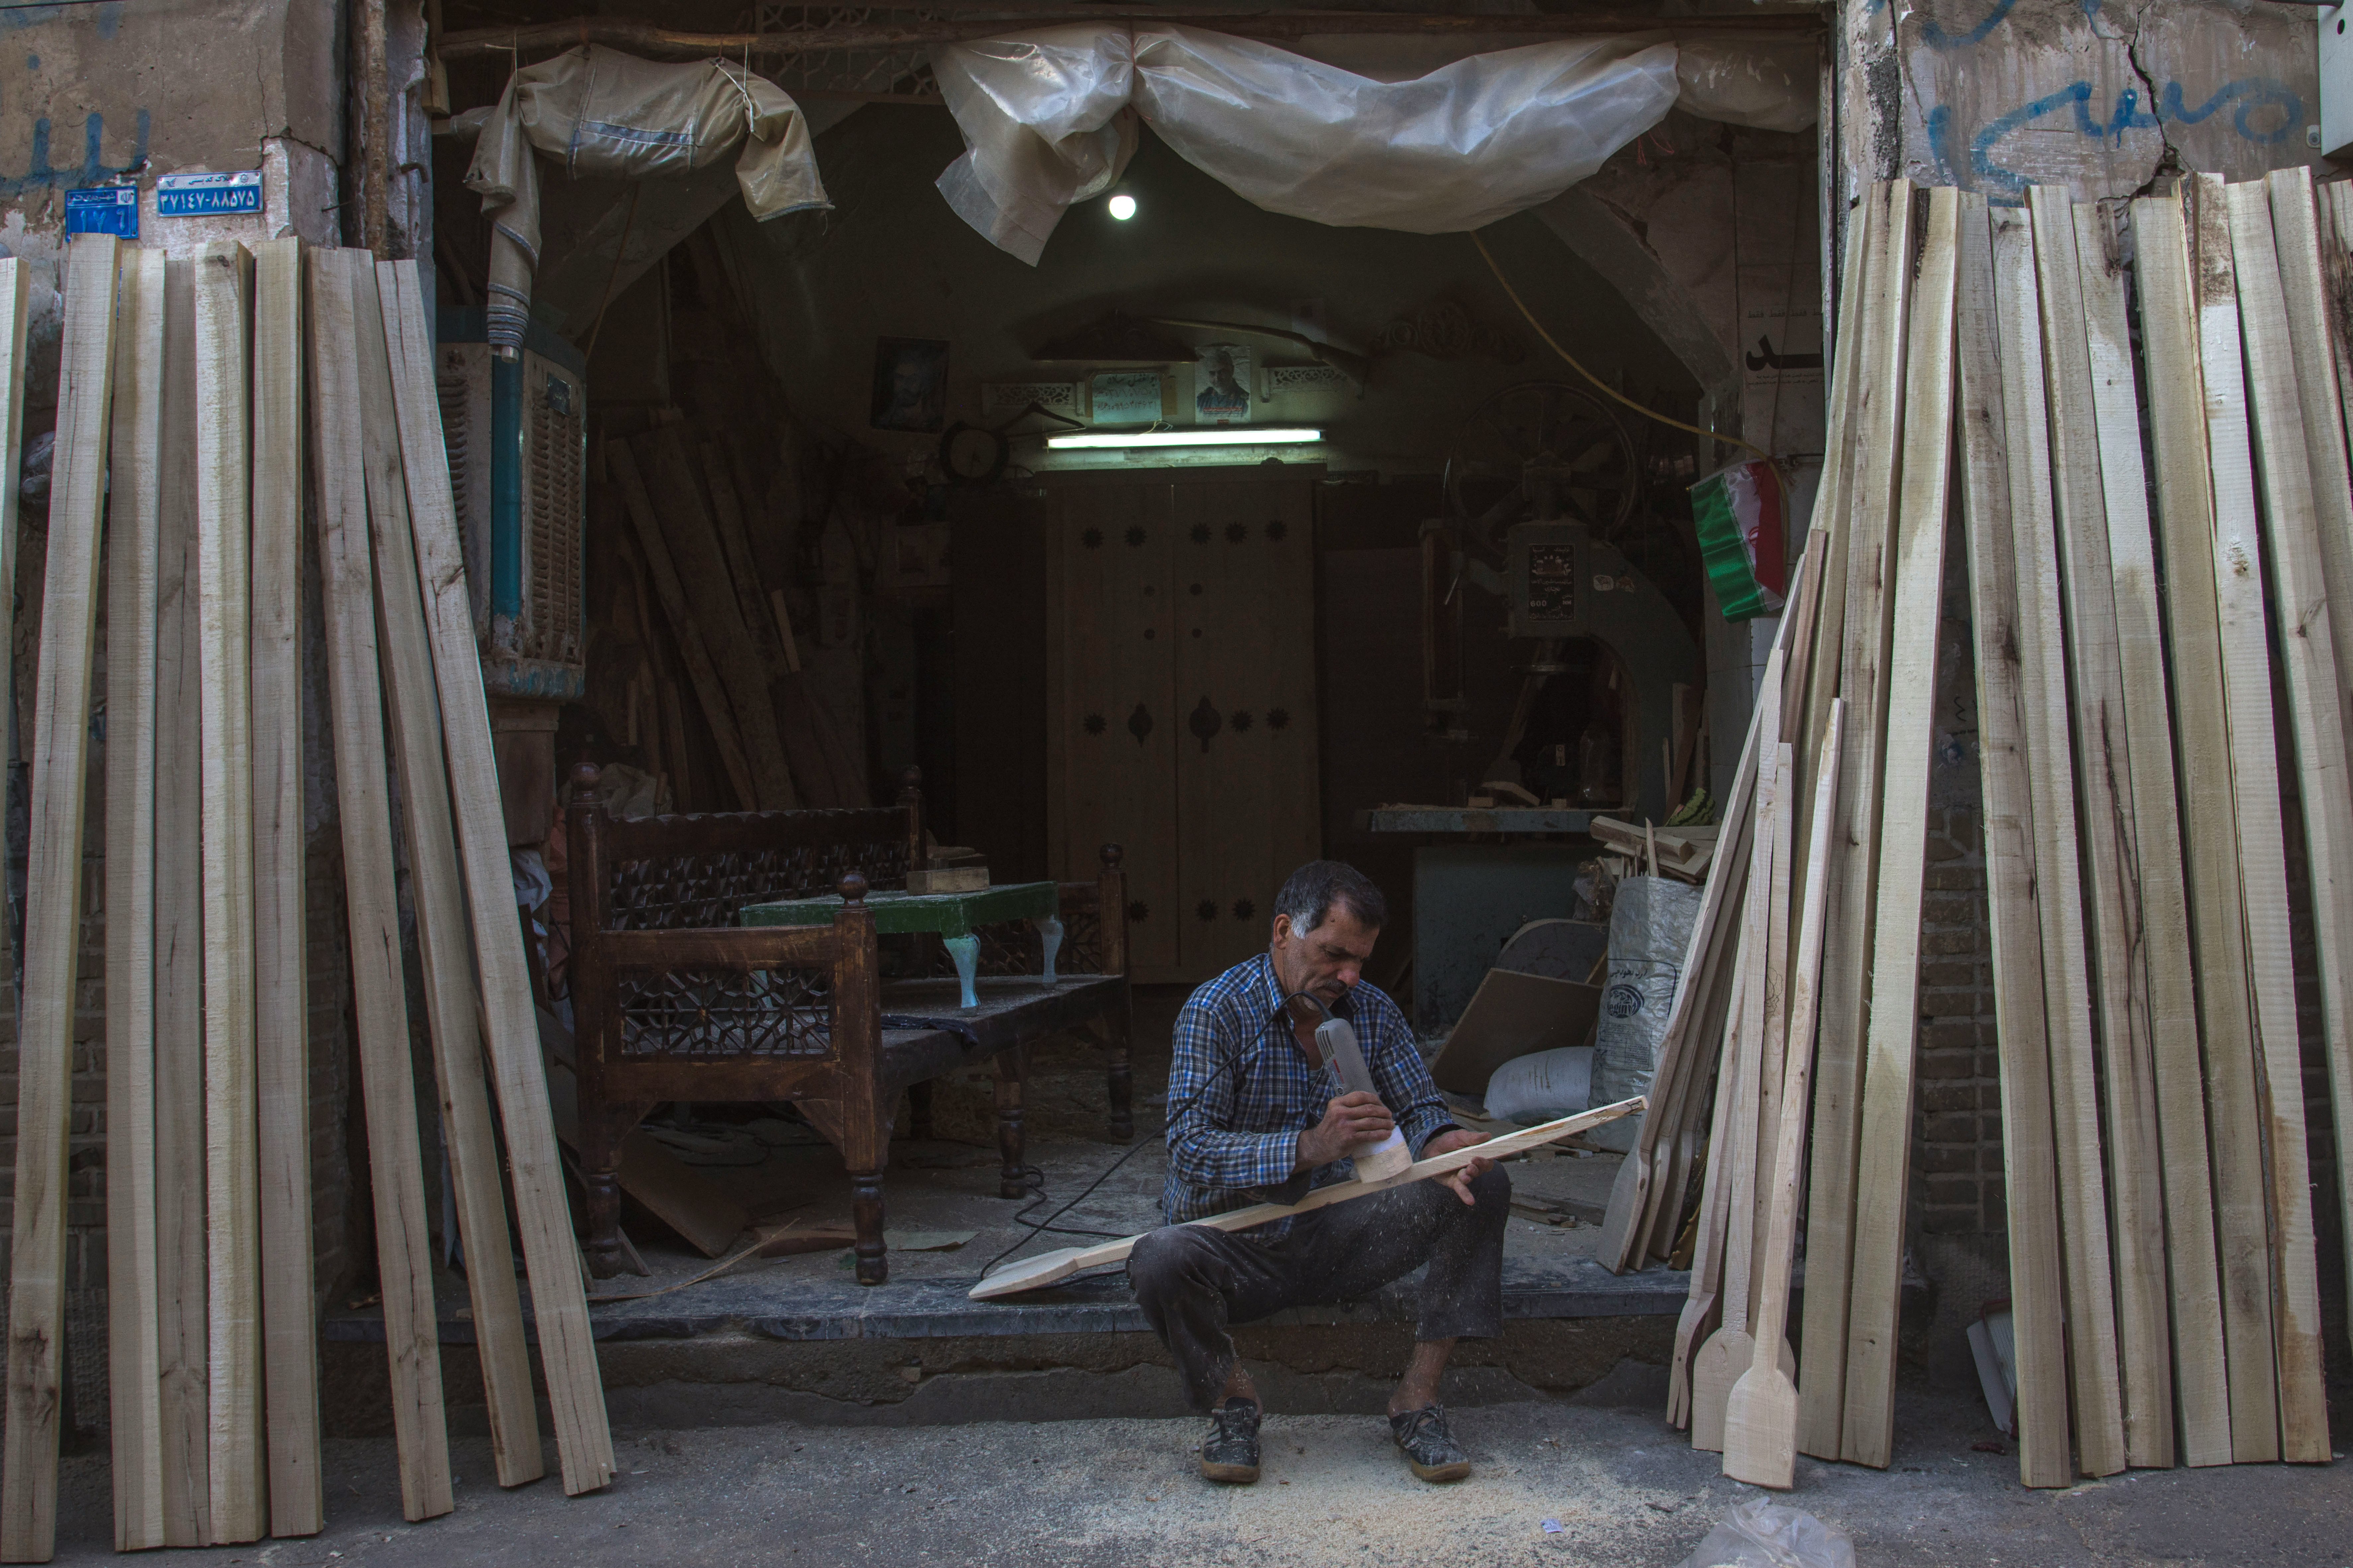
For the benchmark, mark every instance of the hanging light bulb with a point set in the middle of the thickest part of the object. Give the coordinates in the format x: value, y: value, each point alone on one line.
x: 1122, y: 206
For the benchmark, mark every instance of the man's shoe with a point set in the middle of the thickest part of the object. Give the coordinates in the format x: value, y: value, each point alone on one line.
x: 1422, y: 1438
x: 1229, y: 1453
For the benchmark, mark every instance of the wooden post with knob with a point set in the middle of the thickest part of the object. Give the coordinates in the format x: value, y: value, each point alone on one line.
x: 857, y: 1046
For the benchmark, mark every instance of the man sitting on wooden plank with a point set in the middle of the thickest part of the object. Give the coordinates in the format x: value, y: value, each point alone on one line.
x: 1256, y: 1116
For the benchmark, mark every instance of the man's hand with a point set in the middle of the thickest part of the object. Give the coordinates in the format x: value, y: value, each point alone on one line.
x: 1445, y: 1144
x: 1354, y: 1117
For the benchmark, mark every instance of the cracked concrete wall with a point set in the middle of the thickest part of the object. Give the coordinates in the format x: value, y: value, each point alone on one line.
x: 89, y: 93
x: 2101, y: 96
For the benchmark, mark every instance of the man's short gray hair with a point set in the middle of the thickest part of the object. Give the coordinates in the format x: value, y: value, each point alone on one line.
x: 1311, y: 892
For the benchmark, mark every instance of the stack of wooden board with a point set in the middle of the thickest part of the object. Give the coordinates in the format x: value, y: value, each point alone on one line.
x: 2162, y: 1275
x: 1684, y: 853
x: 188, y: 389
x: 687, y: 507
x: 2135, y: 843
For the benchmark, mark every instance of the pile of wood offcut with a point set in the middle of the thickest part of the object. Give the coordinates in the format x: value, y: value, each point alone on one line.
x: 193, y: 395
x: 2132, y: 418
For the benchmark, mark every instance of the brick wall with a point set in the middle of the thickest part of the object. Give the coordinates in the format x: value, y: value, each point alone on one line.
x: 1956, y: 1130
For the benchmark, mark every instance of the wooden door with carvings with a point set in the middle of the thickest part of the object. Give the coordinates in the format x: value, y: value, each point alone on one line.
x: 1181, y: 700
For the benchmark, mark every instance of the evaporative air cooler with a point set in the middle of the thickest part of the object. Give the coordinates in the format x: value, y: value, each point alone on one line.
x: 517, y: 433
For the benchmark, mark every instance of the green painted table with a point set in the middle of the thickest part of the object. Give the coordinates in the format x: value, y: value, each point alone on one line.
x: 954, y: 916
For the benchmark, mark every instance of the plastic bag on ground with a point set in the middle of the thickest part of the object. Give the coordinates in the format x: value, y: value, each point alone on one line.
x: 1542, y: 1086
x: 1762, y: 1534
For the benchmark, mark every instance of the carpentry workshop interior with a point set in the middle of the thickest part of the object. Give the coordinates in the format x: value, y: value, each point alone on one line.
x: 686, y: 692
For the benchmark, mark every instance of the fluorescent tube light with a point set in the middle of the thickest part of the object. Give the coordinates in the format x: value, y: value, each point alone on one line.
x: 1216, y: 436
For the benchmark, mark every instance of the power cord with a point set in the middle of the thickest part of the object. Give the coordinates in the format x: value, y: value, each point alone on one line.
x: 1049, y: 1227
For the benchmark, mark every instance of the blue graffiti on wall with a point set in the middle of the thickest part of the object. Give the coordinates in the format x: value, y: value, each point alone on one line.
x: 40, y: 174
x: 107, y: 17
x: 2264, y: 111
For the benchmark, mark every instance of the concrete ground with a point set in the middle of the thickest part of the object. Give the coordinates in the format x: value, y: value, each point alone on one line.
x: 1625, y: 1492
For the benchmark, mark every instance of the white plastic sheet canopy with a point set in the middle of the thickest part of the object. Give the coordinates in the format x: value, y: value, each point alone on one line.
x: 607, y: 113
x: 1050, y: 119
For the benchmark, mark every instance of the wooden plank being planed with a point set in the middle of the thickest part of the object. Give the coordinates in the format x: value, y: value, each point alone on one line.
x: 2243, y: 271
x: 2059, y: 910
x: 2029, y: 1168
x: 2201, y: 1379
x: 53, y: 904
x: 289, y: 1337
x: 543, y: 1213
x: 379, y: 1006
x: 2311, y: 333
x: 2103, y: 772
x: 134, y: 1380
x: 1883, y: 1166
x: 444, y: 940
x: 2210, y: 828
x: 1887, y: 254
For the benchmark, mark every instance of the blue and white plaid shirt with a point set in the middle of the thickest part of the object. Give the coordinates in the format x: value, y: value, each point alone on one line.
x: 1241, y: 1093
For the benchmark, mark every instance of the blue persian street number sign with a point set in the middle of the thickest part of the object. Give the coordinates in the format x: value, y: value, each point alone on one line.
x: 202, y: 196
x: 103, y: 209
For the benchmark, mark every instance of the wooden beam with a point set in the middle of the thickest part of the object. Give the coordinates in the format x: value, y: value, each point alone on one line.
x: 379, y: 1004
x: 2050, y: 776
x: 2308, y: 655
x: 1886, y: 258
x: 543, y: 1213
x: 2103, y: 770
x: 2210, y: 828
x: 224, y: 280
x: 445, y: 943
x: 701, y: 675
x: 2029, y: 1168
x: 183, y: 1358
x: 134, y: 1333
x: 290, y: 1340
x: 1760, y: 1420
x: 652, y: 39
x: 1883, y: 1167
x: 2311, y: 333
x: 53, y: 904
x: 2202, y: 1378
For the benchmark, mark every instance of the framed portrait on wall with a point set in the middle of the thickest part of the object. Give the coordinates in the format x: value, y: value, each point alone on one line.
x: 1221, y: 384
x: 910, y: 386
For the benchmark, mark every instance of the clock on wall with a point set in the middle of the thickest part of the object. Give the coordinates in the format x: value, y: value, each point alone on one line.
x: 973, y: 454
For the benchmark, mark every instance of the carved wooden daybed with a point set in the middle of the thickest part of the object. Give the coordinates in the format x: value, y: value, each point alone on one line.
x: 673, y: 1000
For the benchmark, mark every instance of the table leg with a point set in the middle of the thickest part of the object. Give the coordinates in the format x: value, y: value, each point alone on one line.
x: 1012, y: 1072
x: 966, y: 951
x: 1049, y: 936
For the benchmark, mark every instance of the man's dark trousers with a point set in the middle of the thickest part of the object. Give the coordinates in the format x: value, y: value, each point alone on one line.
x: 1192, y: 1281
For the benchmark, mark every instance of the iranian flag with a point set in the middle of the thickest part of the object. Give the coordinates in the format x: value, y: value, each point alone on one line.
x: 1742, y: 537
